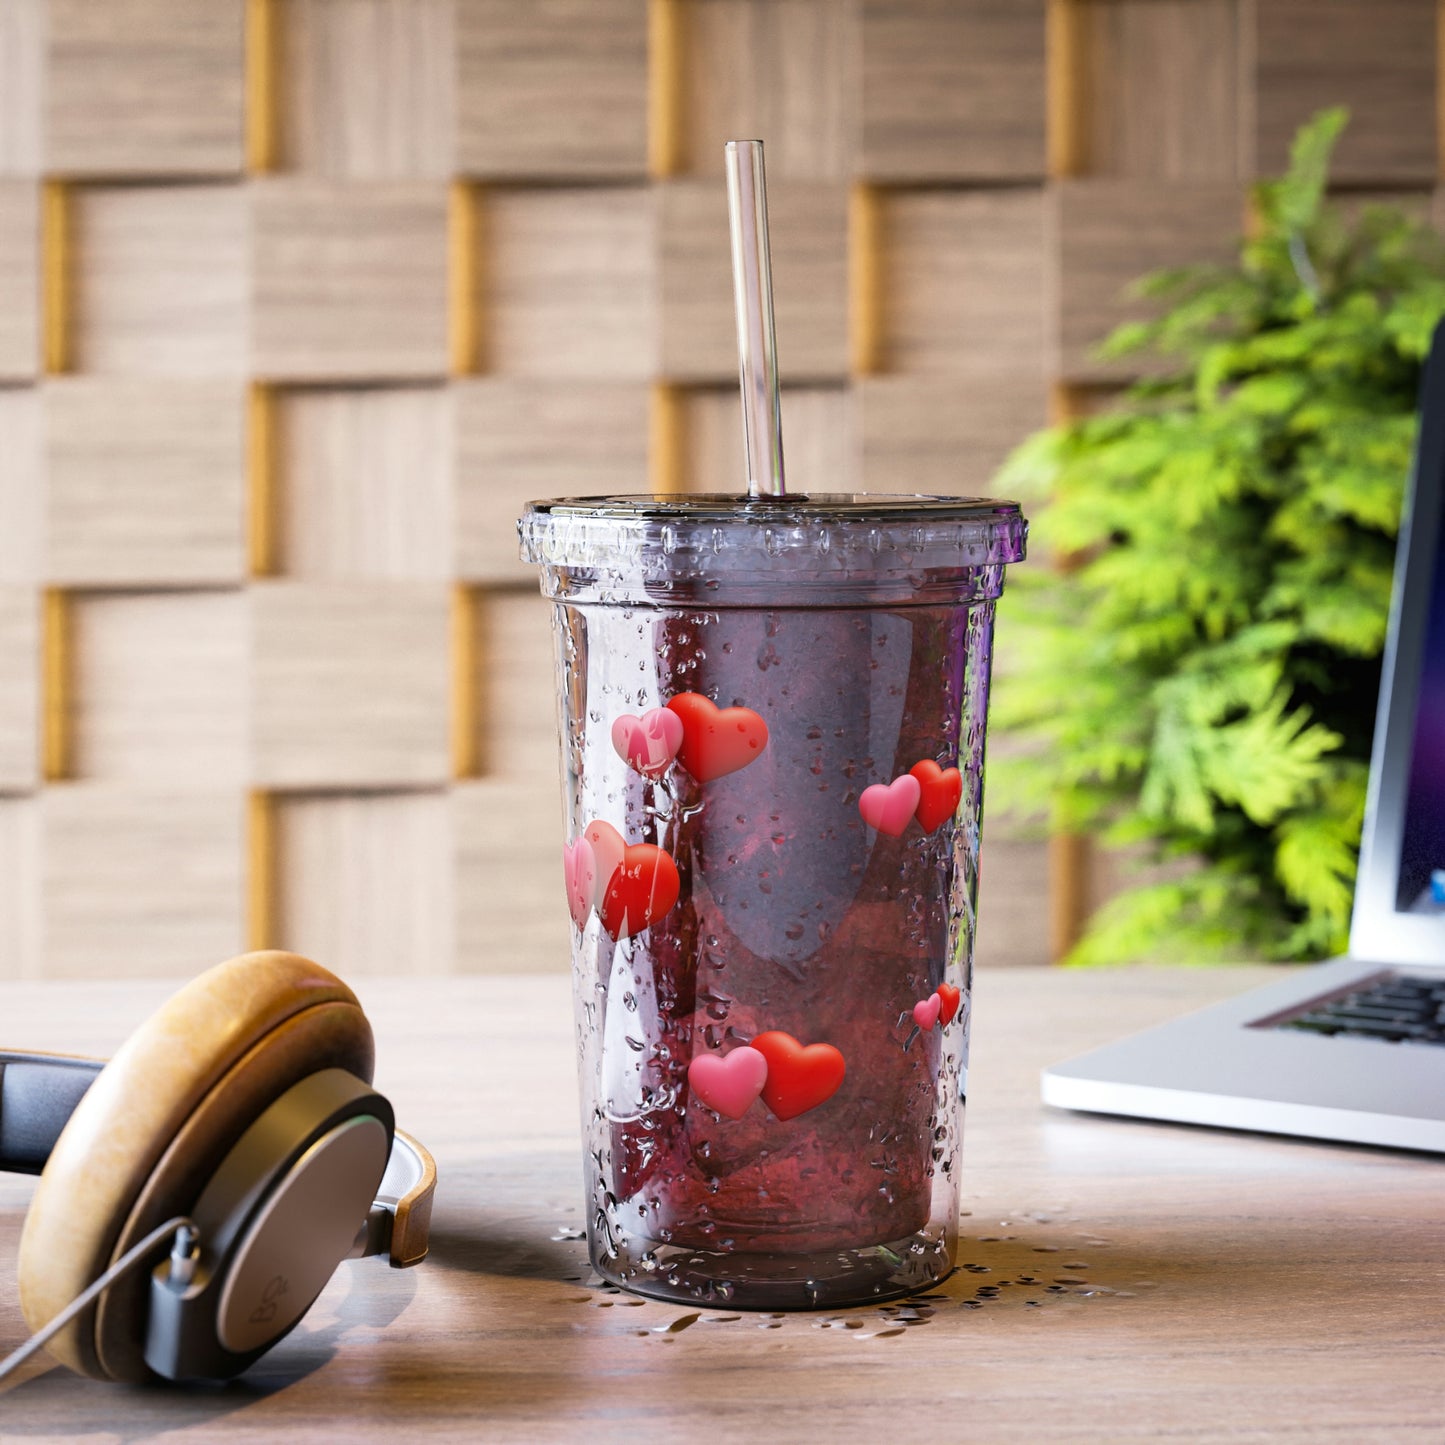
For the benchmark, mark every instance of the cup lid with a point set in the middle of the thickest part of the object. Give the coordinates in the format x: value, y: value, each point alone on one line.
x: 810, y: 549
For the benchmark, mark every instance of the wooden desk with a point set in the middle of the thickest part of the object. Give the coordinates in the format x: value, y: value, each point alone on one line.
x: 1243, y: 1287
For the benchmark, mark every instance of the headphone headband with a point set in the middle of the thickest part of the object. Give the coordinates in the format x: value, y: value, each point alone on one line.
x: 38, y: 1094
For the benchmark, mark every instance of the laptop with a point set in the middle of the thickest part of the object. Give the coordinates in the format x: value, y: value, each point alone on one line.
x: 1352, y: 1049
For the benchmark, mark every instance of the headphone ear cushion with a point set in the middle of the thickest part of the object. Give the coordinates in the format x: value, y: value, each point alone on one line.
x: 154, y: 1125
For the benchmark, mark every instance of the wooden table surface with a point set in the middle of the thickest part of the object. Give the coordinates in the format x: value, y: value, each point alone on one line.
x: 1207, y: 1285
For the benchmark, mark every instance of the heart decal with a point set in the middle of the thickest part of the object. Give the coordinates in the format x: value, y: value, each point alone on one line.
x: 948, y: 999
x: 716, y: 741
x: 888, y: 806
x: 939, y: 792
x: 643, y: 887
x: 648, y: 743
x: 728, y: 1083
x: 799, y: 1078
x: 940, y: 1007
x: 608, y: 847
x: 926, y: 1011
x: 579, y: 868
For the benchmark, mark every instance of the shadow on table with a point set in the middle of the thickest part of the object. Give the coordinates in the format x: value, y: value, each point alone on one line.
x: 498, y: 1222
x: 510, y: 1247
x: 128, y: 1413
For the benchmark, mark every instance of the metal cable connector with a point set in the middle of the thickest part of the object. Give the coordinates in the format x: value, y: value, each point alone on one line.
x: 184, y: 1253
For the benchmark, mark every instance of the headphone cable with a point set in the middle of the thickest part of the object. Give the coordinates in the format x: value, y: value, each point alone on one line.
x: 183, y: 1256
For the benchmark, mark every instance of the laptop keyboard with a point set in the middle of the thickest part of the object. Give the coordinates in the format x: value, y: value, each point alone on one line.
x: 1397, y: 1008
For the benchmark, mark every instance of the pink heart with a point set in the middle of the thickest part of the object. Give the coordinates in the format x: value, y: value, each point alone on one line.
x: 608, y: 850
x: 579, y: 867
x: 648, y: 743
x: 728, y: 1082
x: 925, y: 1013
x: 889, y: 806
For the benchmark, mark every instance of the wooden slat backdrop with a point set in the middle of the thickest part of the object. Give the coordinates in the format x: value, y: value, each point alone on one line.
x: 301, y: 299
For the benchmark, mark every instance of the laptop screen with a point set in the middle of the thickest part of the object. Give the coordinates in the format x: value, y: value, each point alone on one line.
x: 1399, y: 912
x: 1421, y: 887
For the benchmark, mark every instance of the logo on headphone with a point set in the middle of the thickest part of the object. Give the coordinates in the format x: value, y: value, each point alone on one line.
x: 265, y: 1312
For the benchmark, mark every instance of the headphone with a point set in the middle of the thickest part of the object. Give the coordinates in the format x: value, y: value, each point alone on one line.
x: 238, y: 1121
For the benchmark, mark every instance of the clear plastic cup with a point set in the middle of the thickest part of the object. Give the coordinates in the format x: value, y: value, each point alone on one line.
x: 772, y: 717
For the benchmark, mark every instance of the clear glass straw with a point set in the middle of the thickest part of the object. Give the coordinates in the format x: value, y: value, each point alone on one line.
x: 753, y: 298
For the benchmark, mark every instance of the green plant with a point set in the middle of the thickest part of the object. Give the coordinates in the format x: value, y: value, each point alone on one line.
x: 1203, y: 680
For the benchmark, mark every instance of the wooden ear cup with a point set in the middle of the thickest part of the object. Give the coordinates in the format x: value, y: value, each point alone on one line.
x: 155, y: 1124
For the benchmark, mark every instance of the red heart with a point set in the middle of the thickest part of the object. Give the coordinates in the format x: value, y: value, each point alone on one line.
x: 716, y: 741
x: 948, y: 998
x: 644, y: 886
x: 799, y: 1078
x: 939, y: 792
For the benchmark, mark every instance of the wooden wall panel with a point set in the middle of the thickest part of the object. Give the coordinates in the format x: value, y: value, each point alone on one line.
x: 158, y: 280
x: 144, y: 481
x: 19, y: 690
x: 1108, y: 234
x: 19, y: 280
x: 943, y: 434
x: 818, y: 440
x: 783, y: 70
x: 518, y: 688
x: 963, y: 281
x: 553, y: 88
x: 22, y: 86
x: 21, y: 485
x: 139, y: 882
x: 509, y: 877
x: 21, y: 953
x: 279, y: 368
x: 350, y: 685
x: 350, y: 281
x: 519, y: 440
x: 1377, y: 57
x: 808, y: 227
x: 144, y: 87
x: 1158, y: 94
x: 569, y: 282
x: 1013, y: 915
x: 952, y: 90
x: 159, y: 688
x: 364, y: 483
x: 367, y: 882
x: 367, y: 88
x: 712, y: 440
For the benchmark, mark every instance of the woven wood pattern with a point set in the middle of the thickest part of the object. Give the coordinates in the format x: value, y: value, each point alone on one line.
x: 144, y: 481
x: 142, y: 88
x: 155, y: 281
x: 20, y: 699
x: 1158, y: 92
x: 300, y: 300
x: 19, y: 270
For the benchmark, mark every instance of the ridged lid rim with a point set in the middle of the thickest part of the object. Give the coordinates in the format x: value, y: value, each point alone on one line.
x: 929, y: 529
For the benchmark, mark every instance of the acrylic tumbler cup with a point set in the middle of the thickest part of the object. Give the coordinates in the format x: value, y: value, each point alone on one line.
x: 772, y: 719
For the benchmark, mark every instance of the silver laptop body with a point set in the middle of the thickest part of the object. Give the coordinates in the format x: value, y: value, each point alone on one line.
x: 1270, y: 1059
